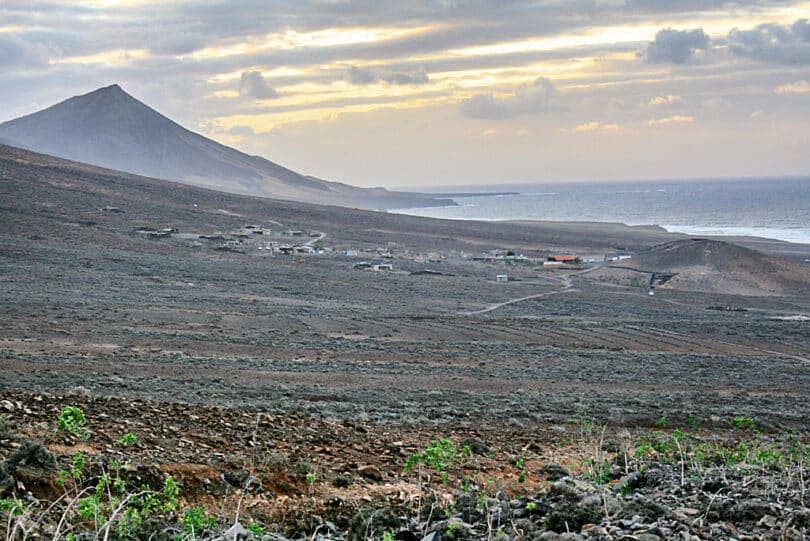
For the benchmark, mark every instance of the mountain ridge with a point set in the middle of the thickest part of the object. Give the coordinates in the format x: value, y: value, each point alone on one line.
x: 110, y: 128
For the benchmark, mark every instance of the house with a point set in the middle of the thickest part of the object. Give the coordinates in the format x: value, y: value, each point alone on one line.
x: 287, y: 250
x: 362, y: 265
x: 501, y: 278
x: 304, y: 249
x: 383, y: 267
x: 567, y: 259
x: 350, y: 253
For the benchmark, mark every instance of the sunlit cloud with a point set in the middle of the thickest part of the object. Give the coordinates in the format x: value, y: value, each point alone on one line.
x: 671, y: 120
x: 664, y: 100
x: 596, y: 126
x: 599, y: 36
x: 291, y: 39
x: 116, y: 57
x: 799, y: 87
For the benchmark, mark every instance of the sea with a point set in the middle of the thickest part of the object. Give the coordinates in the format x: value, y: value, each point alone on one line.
x: 776, y: 208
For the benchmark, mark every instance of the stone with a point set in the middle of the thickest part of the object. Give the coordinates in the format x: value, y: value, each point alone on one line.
x: 554, y: 472
x: 370, y: 472
x: 600, y: 503
x: 547, y: 536
x: 768, y: 521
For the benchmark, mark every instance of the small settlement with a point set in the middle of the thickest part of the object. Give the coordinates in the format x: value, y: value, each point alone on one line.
x: 258, y: 240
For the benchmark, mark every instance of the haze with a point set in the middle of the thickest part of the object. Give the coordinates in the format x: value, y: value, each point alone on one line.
x: 443, y: 92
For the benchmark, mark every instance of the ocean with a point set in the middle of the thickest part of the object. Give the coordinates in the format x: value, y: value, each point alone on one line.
x: 777, y: 208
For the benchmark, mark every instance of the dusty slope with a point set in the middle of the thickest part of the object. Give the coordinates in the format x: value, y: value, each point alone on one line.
x: 721, y: 267
x: 110, y: 128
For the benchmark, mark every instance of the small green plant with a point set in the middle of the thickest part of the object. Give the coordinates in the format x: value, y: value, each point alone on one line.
x: 311, y: 478
x: 520, y: 463
x: 170, y: 493
x: 531, y: 506
x: 625, y: 490
x: 389, y: 535
x: 195, y: 521
x: 597, y: 471
x: 127, y: 439
x: 256, y: 528
x: 438, y: 456
x: 480, y: 501
x: 743, y: 423
x: 13, y: 506
x: 72, y: 421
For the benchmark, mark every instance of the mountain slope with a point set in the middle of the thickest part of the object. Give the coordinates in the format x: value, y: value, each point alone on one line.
x: 110, y: 128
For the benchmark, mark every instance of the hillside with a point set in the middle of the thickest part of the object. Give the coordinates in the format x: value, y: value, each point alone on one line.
x: 722, y: 267
x: 110, y: 128
x: 40, y: 192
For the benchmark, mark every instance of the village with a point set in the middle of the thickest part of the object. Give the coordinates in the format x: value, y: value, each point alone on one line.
x: 263, y: 241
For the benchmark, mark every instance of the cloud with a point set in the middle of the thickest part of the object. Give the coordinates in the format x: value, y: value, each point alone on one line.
x: 360, y: 76
x: 665, y: 100
x: 538, y: 97
x: 17, y: 52
x: 419, y: 77
x: 676, y: 46
x: 596, y: 126
x: 671, y: 120
x: 774, y: 43
x: 253, y: 84
x: 799, y: 87
x: 367, y: 76
x: 242, y: 131
x: 179, y: 44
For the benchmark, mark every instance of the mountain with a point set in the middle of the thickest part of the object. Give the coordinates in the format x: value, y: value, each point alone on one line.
x: 722, y: 267
x: 110, y: 128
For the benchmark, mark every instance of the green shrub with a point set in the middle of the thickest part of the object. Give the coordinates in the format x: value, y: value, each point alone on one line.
x: 72, y: 421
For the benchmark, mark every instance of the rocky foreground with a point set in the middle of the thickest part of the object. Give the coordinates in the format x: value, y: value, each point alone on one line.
x: 103, y: 468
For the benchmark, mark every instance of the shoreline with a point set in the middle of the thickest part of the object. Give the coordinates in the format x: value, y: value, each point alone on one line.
x: 713, y: 232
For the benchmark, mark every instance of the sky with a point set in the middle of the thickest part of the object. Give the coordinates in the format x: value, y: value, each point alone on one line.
x: 443, y: 92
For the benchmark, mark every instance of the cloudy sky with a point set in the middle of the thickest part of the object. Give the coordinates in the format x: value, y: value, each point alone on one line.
x: 438, y: 92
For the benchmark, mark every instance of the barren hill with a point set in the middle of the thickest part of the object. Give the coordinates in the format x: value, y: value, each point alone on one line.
x: 721, y: 267
x: 110, y: 128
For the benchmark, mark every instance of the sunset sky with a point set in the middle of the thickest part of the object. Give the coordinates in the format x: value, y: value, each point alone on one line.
x: 464, y: 92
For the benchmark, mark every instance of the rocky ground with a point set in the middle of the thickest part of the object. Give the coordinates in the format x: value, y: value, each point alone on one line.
x: 227, y: 366
x: 291, y: 476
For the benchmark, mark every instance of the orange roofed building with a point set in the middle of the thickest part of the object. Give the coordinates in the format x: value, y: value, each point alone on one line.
x: 570, y: 259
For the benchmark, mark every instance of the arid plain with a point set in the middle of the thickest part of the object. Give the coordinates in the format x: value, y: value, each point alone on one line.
x: 360, y: 368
